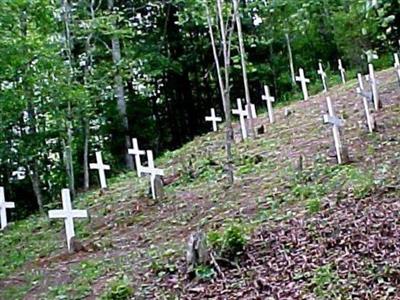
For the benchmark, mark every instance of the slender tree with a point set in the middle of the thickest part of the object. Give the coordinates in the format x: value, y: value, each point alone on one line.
x: 224, y: 80
x: 244, y: 65
x: 119, y: 87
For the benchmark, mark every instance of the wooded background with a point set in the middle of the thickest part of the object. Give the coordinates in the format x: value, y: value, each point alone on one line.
x: 82, y: 76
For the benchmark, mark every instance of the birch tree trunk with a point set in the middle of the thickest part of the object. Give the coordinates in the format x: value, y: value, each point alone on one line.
x: 32, y: 165
x: 224, y: 86
x: 68, y: 157
x: 86, y: 177
x: 35, y: 180
x: 86, y: 122
x: 244, y: 67
x: 119, y: 90
x: 291, y: 63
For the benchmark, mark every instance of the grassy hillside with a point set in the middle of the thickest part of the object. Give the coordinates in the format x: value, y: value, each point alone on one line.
x: 326, y: 232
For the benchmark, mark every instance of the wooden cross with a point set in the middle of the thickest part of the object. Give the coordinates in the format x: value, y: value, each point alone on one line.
x: 269, y: 99
x: 361, y: 92
x: 152, y: 171
x: 336, y: 123
x: 20, y: 173
x: 101, y: 167
x: 242, y: 113
x: 342, y: 71
x: 214, y: 119
x: 397, y: 66
x: 322, y: 73
x: 68, y: 214
x: 252, y: 110
x: 136, y: 152
x: 3, y: 206
x: 303, y: 80
x: 374, y: 87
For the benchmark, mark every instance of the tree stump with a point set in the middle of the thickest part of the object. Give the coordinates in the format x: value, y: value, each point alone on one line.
x: 197, y: 251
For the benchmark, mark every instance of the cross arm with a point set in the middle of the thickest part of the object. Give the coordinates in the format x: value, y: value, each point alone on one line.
x: 333, y: 120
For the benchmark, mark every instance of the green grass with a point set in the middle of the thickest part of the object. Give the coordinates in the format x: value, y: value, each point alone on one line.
x: 83, y: 276
x: 324, y: 277
x: 25, y: 241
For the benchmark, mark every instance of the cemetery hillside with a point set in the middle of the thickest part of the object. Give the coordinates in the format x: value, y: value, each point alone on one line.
x: 202, y: 149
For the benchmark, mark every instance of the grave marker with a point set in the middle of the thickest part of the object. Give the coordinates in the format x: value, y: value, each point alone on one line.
x: 19, y: 174
x: 101, y: 167
x: 374, y: 87
x: 336, y: 123
x: 303, y: 80
x: 342, y: 71
x: 214, y: 119
x: 362, y: 93
x: 68, y: 214
x: 397, y: 66
x: 152, y: 171
x: 252, y: 110
x: 322, y: 73
x: 269, y: 99
x: 136, y: 152
x: 242, y: 115
x: 3, y: 206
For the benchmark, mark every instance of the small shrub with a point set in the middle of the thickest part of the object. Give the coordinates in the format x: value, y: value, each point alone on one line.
x: 324, y: 276
x: 204, y: 272
x: 230, y: 242
x: 313, y: 206
x: 119, y: 289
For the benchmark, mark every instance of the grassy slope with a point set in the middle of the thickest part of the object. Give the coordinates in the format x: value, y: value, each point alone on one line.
x: 134, y: 240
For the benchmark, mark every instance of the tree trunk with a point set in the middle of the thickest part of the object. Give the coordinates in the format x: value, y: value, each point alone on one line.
x: 244, y: 67
x: 119, y: 91
x: 35, y: 179
x: 68, y: 158
x: 224, y: 87
x: 85, y: 121
x: 291, y: 63
x: 33, y: 170
x: 86, y: 177
x: 271, y: 54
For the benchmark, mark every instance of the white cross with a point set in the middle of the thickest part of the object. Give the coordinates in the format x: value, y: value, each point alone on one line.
x: 304, y: 82
x: 269, y: 99
x: 361, y: 92
x: 3, y: 206
x: 342, y: 71
x: 137, y: 152
x: 336, y: 123
x: 322, y: 73
x: 374, y: 88
x: 252, y: 110
x: 68, y: 214
x: 396, y: 60
x: 242, y: 114
x: 152, y: 170
x: 102, y: 168
x: 214, y: 119
x: 397, y: 66
x: 20, y: 173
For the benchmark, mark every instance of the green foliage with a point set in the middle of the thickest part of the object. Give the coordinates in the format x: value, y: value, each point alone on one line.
x: 204, y: 273
x: 84, y: 275
x: 230, y: 242
x: 118, y: 289
x: 324, y: 276
x: 313, y: 206
x: 353, y: 180
x: 26, y: 241
x: 162, y: 262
